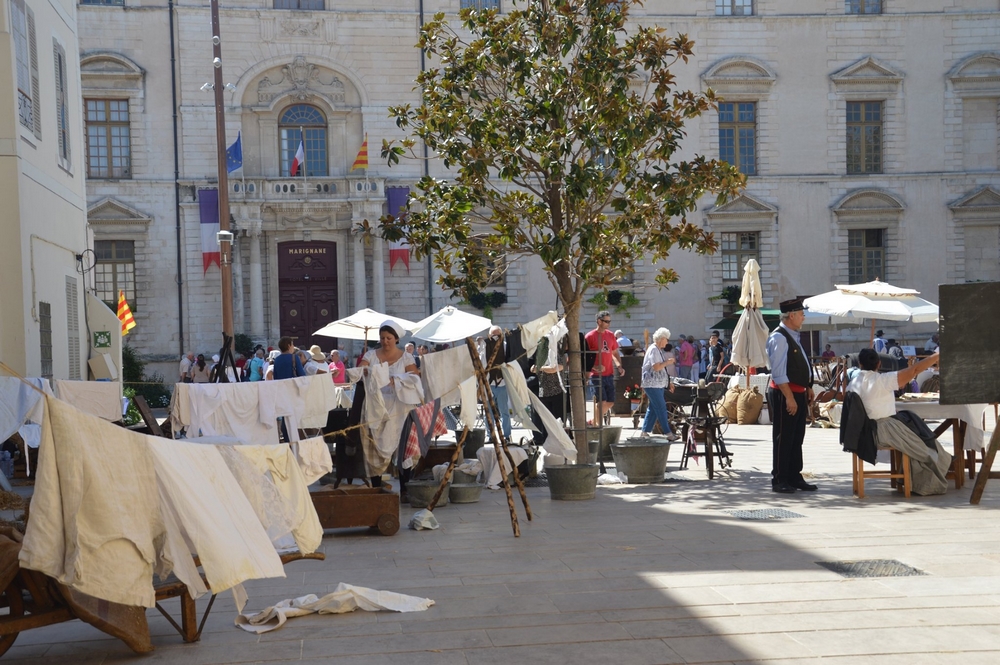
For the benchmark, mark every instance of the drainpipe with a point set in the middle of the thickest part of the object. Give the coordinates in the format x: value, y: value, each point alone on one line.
x: 427, y: 171
x: 177, y: 186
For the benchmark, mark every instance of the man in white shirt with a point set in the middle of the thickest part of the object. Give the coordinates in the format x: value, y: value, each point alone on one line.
x: 877, y: 392
x: 185, y: 368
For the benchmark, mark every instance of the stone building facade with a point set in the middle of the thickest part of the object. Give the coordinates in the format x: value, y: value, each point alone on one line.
x: 43, y: 222
x: 869, y: 130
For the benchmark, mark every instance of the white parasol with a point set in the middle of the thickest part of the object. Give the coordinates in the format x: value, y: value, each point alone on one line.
x: 875, y: 301
x: 750, y: 334
x: 448, y: 325
x: 359, y: 325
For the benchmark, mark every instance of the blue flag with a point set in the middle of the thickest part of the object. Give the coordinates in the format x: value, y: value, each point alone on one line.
x: 234, y: 155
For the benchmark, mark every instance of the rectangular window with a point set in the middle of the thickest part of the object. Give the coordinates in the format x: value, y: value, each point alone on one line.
x: 865, y: 255
x: 45, y: 337
x: 316, y: 5
x: 26, y: 56
x: 109, y: 140
x: 864, y: 137
x: 480, y: 4
x: 734, y: 7
x: 62, y: 103
x: 114, y: 271
x: 737, y: 249
x: 738, y: 135
x: 864, y: 6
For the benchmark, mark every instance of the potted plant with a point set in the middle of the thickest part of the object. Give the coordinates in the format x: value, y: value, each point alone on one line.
x: 634, y: 395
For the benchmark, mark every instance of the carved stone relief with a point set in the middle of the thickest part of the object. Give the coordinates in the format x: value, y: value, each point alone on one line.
x: 301, y: 79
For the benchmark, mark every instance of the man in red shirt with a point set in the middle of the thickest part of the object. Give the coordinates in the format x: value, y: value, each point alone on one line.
x: 601, y: 341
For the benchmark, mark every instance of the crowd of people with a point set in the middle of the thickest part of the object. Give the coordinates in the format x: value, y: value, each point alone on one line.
x: 285, y: 361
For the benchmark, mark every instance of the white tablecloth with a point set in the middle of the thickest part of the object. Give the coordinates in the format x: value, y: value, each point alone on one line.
x: 972, y: 414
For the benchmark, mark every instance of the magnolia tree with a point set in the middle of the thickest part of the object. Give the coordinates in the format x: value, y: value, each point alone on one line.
x: 559, y: 123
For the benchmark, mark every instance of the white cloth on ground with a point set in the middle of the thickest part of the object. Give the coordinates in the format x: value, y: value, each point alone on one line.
x: 533, y: 331
x: 98, y: 398
x: 518, y: 394
x: 493, y: 472
x: 345, y: 598
x: 444, y: 371
x: 557, y: 442
x: 314, y: 458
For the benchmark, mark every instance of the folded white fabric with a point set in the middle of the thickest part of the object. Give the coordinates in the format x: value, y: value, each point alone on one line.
x: 345, y: 598
x: 493, y: 472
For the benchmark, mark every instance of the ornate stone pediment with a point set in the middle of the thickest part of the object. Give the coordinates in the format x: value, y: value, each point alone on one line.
x: 108, y: 63
x: 741, y: 210
x: 738, y: 77
x: 978, y: 75
x: 111, y: 216
x: 867, y: 206
x: 867, y: 75
x: 982, y: 205
x: 301, y: 79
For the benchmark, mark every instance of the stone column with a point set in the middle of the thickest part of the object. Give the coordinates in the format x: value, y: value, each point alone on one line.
x: 239, y: 319
x: 257, y: 331
x: 378, y: 273
x: 360, y: 279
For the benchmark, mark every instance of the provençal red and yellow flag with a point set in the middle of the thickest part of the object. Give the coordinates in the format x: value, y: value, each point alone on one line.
x: 361, y: 161
x: 125, y: 314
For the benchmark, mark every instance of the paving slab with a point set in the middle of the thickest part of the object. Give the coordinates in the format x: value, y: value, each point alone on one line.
x: 652, y: 574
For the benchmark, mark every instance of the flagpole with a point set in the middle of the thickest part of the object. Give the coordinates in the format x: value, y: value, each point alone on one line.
x: 305, y: 177
x: 225, y: 246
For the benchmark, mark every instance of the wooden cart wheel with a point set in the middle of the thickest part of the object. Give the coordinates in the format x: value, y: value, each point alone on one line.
x: 16, y: 609
x: 387, y: 524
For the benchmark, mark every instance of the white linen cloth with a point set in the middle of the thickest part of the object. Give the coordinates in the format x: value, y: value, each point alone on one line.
x: 79, y: 534
x: 493, y: 473
x: 314, y: 458
x: 971, y: 414
x: 443, y: 371
x: 469, y: 412
x: 20, y: 402
x: 555, y: 335
x: 345, y: 598
x: 518, y: 394
x: 111, y: 507
x: 759, y: 380
x: 98, y: 398
x: 279, y: 461
x: 202, y: 503
x: 248, y: 410
x: 533, y: 331
x: 557, y: 442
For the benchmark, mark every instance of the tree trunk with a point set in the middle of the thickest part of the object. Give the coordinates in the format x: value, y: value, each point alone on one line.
x: 577, y: 382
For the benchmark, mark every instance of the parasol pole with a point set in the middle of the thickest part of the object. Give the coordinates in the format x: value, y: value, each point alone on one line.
x: 871, y: 339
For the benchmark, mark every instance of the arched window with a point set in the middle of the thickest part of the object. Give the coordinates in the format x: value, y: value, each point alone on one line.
x: 307, y: 124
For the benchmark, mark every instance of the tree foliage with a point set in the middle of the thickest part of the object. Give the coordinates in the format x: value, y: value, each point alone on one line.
x: 559, y: 123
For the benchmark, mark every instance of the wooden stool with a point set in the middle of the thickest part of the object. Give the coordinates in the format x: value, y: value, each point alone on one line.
x: 899, y: 469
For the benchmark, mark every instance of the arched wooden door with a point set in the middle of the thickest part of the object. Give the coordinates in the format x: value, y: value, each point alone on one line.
x: 307, y: 290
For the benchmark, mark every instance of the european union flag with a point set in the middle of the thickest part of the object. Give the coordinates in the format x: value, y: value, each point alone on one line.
x: 234, y: 155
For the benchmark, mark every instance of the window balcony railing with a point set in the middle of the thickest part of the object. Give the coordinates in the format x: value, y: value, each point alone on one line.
x: 300, y: 189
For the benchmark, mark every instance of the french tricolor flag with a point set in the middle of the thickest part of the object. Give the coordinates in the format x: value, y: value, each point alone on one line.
x: 208, y: 206
x: 299, y: 160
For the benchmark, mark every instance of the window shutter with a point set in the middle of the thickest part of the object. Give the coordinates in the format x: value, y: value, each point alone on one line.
x: 62, y: 102
x: 73, y: 327
x: 33, y: 50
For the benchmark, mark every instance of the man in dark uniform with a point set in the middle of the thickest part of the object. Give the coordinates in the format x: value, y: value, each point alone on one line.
x: 788, y: 397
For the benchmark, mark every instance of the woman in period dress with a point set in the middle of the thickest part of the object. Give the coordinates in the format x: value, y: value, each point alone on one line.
x: 392, y: 390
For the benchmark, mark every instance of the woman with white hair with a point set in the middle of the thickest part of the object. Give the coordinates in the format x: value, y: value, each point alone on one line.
x: 654, y: 381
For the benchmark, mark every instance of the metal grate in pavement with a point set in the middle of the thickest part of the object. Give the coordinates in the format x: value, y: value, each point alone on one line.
x: 764, y: 514
x: 872, y: 568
